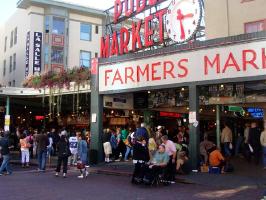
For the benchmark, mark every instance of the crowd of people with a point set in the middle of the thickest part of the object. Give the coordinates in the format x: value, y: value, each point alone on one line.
x: 70, y: 147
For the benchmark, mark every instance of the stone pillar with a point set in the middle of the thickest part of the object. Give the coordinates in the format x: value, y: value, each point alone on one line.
x: 218, y: 127
x: 194, y: 134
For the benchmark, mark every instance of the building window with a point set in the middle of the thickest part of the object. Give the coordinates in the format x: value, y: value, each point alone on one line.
x: 257, y: 26
x: 96, y: 29
x: 57, y: 55
x: 96, y: 55
x: 58, y: 26
x: 14, y: 61
x: 5, y: 43
x: 85, y: 59
x: 4, y: 68
x: 10, y: 64
x: 15, y: 35
x: 47, y: 24
x: 9, y: 83
x: 11, y: 39
x: 85, y: 32
x: 14, y: 83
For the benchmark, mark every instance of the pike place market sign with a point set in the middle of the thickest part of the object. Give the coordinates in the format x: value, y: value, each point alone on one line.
x: 232, y: 61
x: 181, y: 19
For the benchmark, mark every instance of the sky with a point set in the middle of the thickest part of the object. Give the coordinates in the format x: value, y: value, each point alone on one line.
x: 8, y: 7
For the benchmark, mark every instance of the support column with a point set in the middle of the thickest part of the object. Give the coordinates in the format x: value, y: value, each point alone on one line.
x: 194, y: 133
x: 7, y: 105
x: 218, y: 126
x: 96, y: 120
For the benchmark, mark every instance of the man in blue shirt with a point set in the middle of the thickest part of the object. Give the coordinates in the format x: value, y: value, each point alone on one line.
x: 142, y: 132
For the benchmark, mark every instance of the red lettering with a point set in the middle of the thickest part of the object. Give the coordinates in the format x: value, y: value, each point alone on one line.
x: 154, y: 71
x: 251, y: 61
x: 136, y: 36
x: 147, y: 31
x: 168, y: 71
x: 117, y: 77
x: 129, y: 74
x: 263, y: 58
x: 160, y: 15
x: 106, y: 76
x: 216, y: 62
x: 114, y: 47
x: 124, y: 40
x: 129, y: 11
x: 142, y: 73
x: 140, y: 7
x: 231, y: 62
x: 183, y: 67
x: 105, y: 47
x: 152, y: 2
x: 117, y: 10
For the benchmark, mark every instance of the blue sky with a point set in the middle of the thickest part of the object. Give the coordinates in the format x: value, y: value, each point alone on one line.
x: 8, y: 7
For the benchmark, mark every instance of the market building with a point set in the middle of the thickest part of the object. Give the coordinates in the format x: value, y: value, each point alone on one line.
x: 191, y: 82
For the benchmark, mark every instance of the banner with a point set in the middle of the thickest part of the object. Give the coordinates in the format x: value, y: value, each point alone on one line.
x: 27, y: 59
x: 37, y: 53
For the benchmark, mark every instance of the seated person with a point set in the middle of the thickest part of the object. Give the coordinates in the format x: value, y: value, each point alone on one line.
x: 205, y: 146
x: 182, y: 166
x: 216, y: 158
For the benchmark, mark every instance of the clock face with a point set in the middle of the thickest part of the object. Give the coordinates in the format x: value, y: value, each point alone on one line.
x: 183, y: 19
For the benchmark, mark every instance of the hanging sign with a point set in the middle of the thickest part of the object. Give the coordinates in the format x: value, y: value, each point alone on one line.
x: 37, y: 53
x: 7, y: 122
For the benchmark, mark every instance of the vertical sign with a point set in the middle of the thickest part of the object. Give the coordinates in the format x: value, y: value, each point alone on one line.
x: 27, y: 54
x: 7, y: 122
x: 37, y: 52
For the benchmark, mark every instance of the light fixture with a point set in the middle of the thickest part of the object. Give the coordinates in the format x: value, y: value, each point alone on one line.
x: 149, y: 92
x: 184, y: 120
x: 182, y: 89
x: 222, y: 86
x: 25, y: 107
x: 18, y: 117
x: 213, y: 110
x: 132, y: 111
x: 112, y: 112
x: 30, y: 112
x: 187, y: 108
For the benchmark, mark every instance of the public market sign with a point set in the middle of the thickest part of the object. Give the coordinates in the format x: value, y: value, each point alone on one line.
x: 234, y: 61
x: 181, y: 19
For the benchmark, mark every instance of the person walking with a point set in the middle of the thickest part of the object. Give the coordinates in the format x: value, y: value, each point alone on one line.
x: 42, y: 143
x: 25, y: 153
x: 82, y: 154
x: 5, y: 146
x: 254, y: 141
x: 226, y: 140
x: 263, y: 143
x: 107, y: 145
x: 73, y: 146
x: 63, y: 154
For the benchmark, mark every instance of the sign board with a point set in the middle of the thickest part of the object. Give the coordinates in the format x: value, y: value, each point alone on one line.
x: 27, y: 58
x: 7, y: 122
x: 234, y: 61
x: 37, y: 53
x: 192, y: 117
x: 121, y: 101
x: 93, y: 118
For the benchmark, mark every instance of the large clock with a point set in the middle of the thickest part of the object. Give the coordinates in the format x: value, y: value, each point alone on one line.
x: 183, y: 19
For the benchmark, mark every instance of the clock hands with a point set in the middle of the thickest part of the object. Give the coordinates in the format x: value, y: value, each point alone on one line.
x: 181, y: 17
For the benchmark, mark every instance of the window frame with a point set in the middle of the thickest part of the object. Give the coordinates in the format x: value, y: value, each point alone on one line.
x: 10, y: 64
x: 81, y: 60
x: 57, y: 49
x: 62, y: 20
x: 5, y: 44
x: 14, y: 61
x: 89, y: 33
x: 4, y: 68
x: 11, y: 39
x: 15, y: 35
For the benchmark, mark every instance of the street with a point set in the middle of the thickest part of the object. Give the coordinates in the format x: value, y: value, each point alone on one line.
x: 31, y: 185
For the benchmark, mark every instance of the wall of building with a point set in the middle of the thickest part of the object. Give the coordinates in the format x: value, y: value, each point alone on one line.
x: 228, y: 17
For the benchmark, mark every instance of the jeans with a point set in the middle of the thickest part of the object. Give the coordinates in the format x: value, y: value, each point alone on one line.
x: 238, y: 144
x: 59, y: 163
x: 264, y: 156
x: 5, y: 165
x: 42, y: 159
x: 72, y: 159
x: 227, y: 150
x: 129, y: 150
x: 25, y: 156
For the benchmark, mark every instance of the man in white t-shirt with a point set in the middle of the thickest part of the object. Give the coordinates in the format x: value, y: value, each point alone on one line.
x: 73, y: 146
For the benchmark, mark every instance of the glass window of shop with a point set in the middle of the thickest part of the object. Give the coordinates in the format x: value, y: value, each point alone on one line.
x: 58, y: 26
x: 85, y: 58
x: 57, y: 55
x: 85, y: 31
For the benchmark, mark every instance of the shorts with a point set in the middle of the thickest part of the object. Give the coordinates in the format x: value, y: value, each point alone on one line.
x: 107, y: 148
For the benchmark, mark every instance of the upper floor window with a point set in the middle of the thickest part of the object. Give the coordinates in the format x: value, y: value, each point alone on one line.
x: 9, y: 83
x: 96, y: 29
x: 14, y: 61
x: 11, y: 39
x: 47, y: 24
x: 14, y: 83
x: 85, y: 32
x: 15, y: 35
x: 58, y: 26
x: 5, y: 43
x: 257, y: 26
x: 57, y: 55
x: 85, y: 58
x: 10, y: 64
x: 4, y: 68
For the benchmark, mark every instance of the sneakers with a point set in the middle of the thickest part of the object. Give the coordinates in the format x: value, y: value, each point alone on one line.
x: 81, y: 176
x: 86, y: 174
x: 117, y: 160
x: 64, y: 175
x: 56, y: 174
